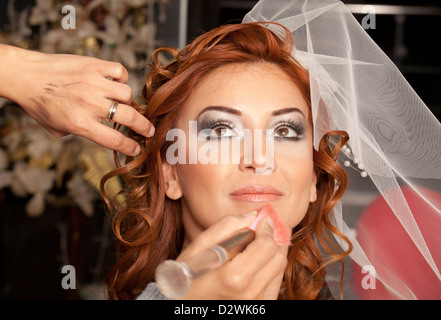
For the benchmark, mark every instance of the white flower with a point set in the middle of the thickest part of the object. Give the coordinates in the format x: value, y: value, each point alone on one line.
x: 12, y: 141
x: 35, y: 206
x: 41, y: 143
x: 35, y: 181
x: 3, y: 160
x: 82, y: 193
x: 6, y: 178
x: 18, y: 187
x: 42, y: 12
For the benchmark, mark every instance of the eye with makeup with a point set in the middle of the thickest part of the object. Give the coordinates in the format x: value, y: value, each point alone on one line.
x: 214, y: 127
x: 289, y: 130
x: 218, y: 129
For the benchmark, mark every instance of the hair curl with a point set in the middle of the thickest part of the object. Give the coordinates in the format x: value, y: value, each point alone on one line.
x: 149, y: 229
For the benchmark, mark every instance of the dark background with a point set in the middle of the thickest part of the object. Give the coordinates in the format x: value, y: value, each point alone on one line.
x: 30, y: 248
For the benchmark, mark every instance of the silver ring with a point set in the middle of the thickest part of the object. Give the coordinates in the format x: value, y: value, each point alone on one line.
x: 112, y: 110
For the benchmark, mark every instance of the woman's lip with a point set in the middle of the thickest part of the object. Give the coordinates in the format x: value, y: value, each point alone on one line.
x: 257, y: 194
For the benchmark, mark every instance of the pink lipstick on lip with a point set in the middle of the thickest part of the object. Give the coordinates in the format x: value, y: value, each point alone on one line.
x: 257, y: 194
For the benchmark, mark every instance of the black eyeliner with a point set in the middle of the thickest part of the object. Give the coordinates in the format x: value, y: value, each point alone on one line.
x: 213, y: 124
x: 298, y: 127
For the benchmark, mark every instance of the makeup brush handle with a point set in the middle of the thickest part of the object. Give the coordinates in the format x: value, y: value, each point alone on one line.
x: 174, y: 278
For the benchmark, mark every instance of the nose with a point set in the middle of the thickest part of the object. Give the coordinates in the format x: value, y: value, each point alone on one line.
x: 258, y: 153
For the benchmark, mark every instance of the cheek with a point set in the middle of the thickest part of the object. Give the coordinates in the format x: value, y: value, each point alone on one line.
x: 297, y: 168
x: 193, y: 177
x: 202, y: 187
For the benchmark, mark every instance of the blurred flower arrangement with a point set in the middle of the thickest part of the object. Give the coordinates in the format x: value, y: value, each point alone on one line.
x: 67, y: 171
x: 59, y: 171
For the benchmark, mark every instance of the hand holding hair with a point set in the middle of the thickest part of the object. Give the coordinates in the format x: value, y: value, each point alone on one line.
x: 70, y: 94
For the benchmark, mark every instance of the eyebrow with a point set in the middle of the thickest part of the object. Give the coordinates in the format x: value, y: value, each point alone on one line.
x: 287, y: 110
x: 221, y: 109
x: 239, y: 113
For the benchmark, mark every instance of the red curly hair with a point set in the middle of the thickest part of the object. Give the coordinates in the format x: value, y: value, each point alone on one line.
x: 149, y: 229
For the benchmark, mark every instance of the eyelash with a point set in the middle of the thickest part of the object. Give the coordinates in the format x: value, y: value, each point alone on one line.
x: 297, y: 127
x: 214, y: 124
x: 231, y: 125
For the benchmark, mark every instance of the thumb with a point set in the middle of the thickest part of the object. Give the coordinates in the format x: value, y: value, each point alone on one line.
x: 265, y: 228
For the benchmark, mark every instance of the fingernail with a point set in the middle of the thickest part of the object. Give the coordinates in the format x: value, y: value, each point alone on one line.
x: 137, y: 150
x: 252, y: 213
x: 152, y: 131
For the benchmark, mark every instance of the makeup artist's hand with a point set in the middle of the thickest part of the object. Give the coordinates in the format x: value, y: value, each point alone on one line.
x: 256, y: 273
x: 69, y: 94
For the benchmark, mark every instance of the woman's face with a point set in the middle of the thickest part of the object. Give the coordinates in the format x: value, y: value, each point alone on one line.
x: 234, y: 103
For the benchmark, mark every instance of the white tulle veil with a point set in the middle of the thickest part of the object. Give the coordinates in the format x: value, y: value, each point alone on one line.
x: 391, y: 211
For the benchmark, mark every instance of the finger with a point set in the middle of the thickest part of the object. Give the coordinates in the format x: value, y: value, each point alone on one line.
x: 117, y: 91
x: 259, y: 252
x: 129, y: 117
x: 112, y: 139
x: 57, y: 133
x: 114, y: 70
x: 268, y: 280
x: 218, y: 232
x: 260, y: 264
